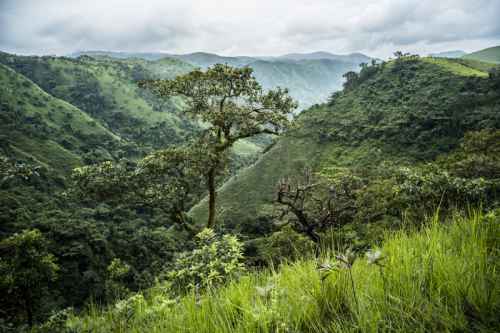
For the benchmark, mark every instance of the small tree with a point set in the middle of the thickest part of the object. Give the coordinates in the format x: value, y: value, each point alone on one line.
x: 316, y: 202
x: 233, y: 106
x: 351, y: 80
x: 215, y: 260
x: 26, y: 269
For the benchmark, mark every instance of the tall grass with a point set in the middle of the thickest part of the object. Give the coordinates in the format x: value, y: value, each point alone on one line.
x: 441, y: 278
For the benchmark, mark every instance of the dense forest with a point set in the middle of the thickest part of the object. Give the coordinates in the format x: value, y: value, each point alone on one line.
x: 166, y: 194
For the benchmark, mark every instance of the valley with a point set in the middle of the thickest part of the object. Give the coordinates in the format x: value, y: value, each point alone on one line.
x: 342, y: 192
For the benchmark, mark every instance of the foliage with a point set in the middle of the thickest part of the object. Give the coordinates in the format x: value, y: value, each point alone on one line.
x: 285, y: 245
x: 318, y: 204
x: 214, y: 261
x: 442, y: 278
x: 233, y: 106
x: 14, y: 170
x: 168, y: 179
x: 27, y: 269
x: 399, y: 115
x: 116, y: 282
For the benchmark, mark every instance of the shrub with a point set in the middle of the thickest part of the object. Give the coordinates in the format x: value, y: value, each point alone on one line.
x: 214, y: 261
x: 285, y: 244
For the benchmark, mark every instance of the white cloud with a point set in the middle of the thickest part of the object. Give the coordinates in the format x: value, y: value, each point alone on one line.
x: 252, y: 27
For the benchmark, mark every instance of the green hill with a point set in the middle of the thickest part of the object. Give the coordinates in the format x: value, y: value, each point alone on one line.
x: 403, y: 112
x: 106, y: 90
x: 491, y: 55
x: 309, y: 81
x: 448, y: 54
x: 38, y: 127
x: 310, y: 77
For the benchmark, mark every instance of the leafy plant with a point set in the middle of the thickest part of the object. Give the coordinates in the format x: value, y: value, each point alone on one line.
x: 26, y: 270
x: 214, y: 261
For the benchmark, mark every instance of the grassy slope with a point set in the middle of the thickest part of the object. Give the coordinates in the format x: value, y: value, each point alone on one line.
x: 391, y: 116
x: 60, y: 118
x: 105, y: 88
x: 491, y: 55
x: 442, y: 278
x: 107, y: 91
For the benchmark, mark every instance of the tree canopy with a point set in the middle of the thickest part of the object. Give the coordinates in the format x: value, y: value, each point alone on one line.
x: 232, y: 105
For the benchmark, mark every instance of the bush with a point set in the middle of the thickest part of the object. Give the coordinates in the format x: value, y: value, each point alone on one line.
x: 214, y: 261
x: 285, y: 244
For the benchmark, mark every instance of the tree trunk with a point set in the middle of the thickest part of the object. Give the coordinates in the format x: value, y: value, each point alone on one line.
x: 211, y: 198
x: 28, y: 306
x: 313, y: 235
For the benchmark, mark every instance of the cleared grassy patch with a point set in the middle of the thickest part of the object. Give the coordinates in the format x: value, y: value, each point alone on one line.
x: 456, y: 67
x: 441, y: 278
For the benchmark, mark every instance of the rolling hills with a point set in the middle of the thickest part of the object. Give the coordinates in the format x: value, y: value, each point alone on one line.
x: 449, y: 54
x: 491, y: 55
x: 310, y: 77
x: 45, y: 130
x: 106, y: 90
x: 402, y: 112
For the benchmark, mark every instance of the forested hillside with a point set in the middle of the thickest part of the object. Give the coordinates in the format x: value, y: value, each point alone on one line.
x: 402, y: 114
x: 106, y: 90
x: 46, y: 130
x: 310, y: 77
x: 105, y: 163
x: 377, y: 212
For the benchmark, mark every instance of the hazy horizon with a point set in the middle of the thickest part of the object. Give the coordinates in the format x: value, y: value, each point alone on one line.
x: 251, y: 28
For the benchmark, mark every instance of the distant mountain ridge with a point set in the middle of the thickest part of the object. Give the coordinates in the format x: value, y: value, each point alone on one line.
x: 310, y: 77
x: 449, y: 54
x: 205, y: 59
x: 352, y: 57
x: 491, y: 55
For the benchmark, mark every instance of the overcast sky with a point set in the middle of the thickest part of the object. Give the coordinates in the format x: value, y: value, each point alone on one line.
x: 248, y: 27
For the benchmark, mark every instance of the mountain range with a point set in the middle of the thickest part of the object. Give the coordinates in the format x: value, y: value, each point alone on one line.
x: 310, y: 77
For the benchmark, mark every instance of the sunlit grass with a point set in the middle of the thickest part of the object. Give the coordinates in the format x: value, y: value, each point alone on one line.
x: 441, y: 278
x: 455, y: 67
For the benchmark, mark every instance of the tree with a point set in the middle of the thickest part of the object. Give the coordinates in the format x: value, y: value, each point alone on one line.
x: 351, y: 80
x: 317, y: 203
x: 168, y: 179
x: 233, y: 106
x: 26, y: 269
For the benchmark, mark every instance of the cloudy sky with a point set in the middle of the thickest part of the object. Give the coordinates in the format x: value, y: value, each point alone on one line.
x: 248, y: 27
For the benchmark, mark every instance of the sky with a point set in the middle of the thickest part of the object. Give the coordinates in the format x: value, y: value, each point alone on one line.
x: 250, y: 27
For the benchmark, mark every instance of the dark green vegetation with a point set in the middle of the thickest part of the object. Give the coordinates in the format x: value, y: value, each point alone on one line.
x: 441, y: 278
x: 387, y: 125
x: 58, y: 114
x: 403, y: 140
x: 491, y: 55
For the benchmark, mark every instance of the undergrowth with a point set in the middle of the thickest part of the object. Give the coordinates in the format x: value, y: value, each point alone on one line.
x: 443, y: 278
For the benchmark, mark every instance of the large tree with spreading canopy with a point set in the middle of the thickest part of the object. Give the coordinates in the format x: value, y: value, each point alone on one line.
x: 231, y: 105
